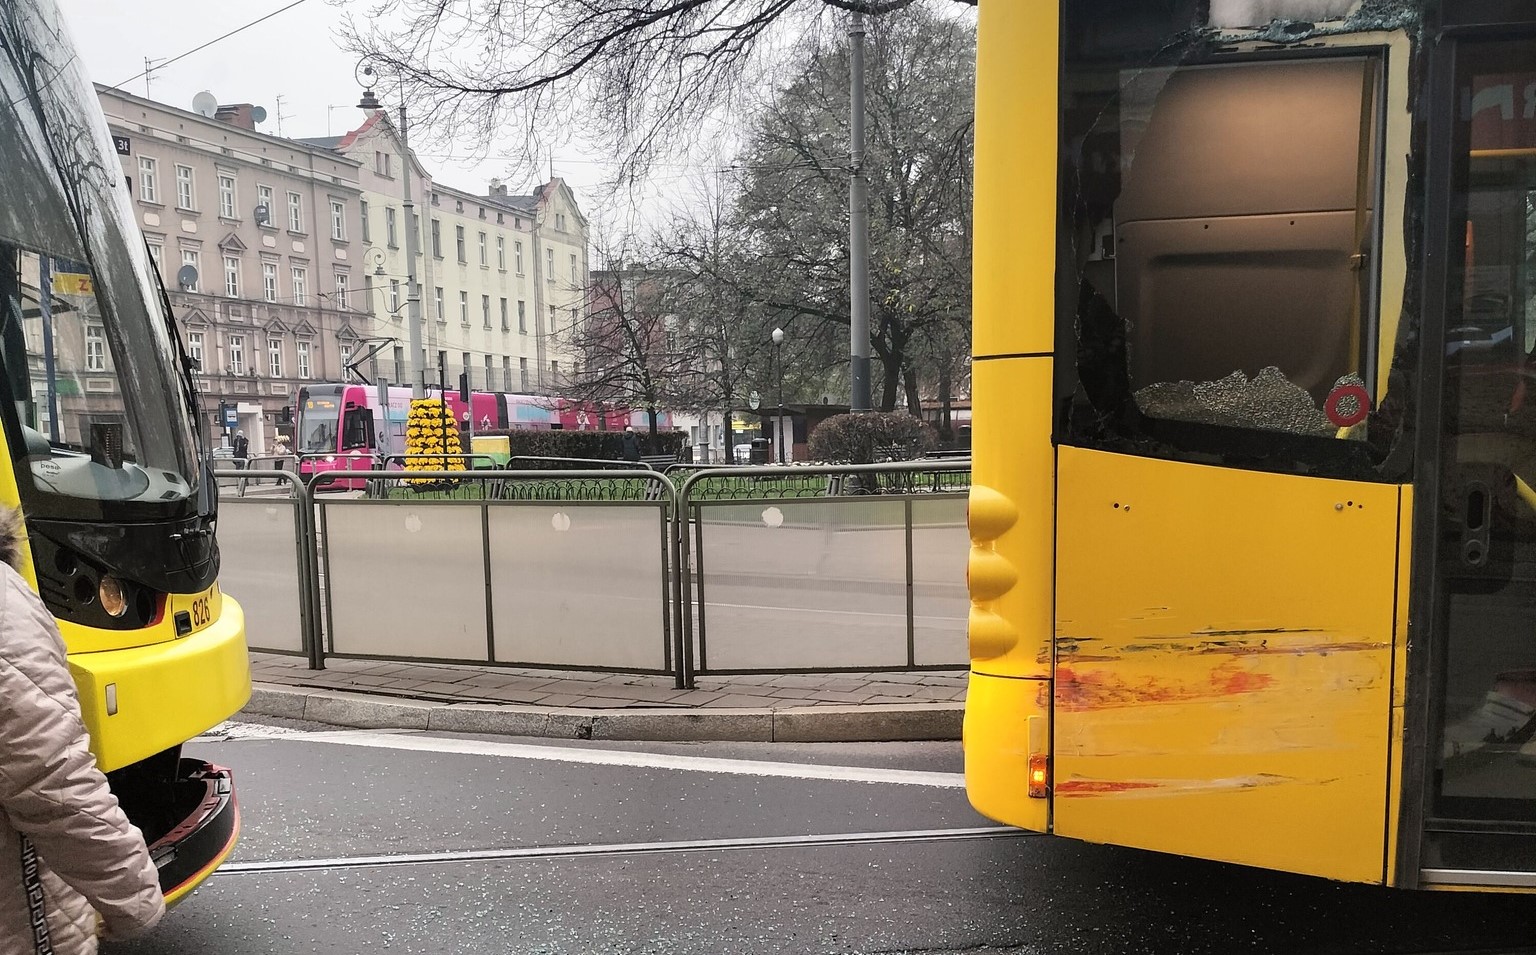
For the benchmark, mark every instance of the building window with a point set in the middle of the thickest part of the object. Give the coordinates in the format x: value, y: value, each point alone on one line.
x: 389, y: 227
x: 184, y: 193
x: 483, y: 262
x: 275, y: 357
x: 463, y: 308
x: 237, y: 354
x: 381, y: 163
x: 464, y: 365
x: 522, y: 316
x: 303, y: 352
x: 554, y: 374
x: 295, y: 212
x: 157, y: 253
x: 501, y: 252
x: 95, y: 348
x: 341, y: 290
x: 338, y: 220
x: 149, y: 180
x: 232, y: 276
x: 190, y: 257
x: 394, y: 296
x: 458, y: 231
x: 362, y: 210
x: 346, y: 356
x: 490, y: 373
x: 506, y: 374
x: 300, y: 286
x: 264, y: 200
x: 522, y: 374
x: 576, y: 319
x: 437, y: 295
x: 437, y: 239
x: 269, y: 281
x: 226, y: 196
x: 195, y: 349
x: 517, y: 253
x: 551, y: 327
x: 559, y: 222
x: 485, y: 310
x: 549, y: 266
x: 504, y: 326
x: 575, y: 282
x: 399, y: 363
x: 458, y: 205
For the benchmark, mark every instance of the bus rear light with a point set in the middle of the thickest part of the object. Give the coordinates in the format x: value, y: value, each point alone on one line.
x: 1039, y: 776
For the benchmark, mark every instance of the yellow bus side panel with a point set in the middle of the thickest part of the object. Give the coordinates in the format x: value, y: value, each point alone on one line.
x: 1011, y: 519
x: 1006, y: 722
x: 166, y: 693
x: 1014, y: 255
x: 1223, y: 663
x: 1399, y: 680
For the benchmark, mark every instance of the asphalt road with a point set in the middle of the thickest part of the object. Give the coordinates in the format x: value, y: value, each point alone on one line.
x: 370, y: 842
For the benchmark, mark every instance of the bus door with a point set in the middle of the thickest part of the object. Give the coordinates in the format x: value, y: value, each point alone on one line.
x: 1226, y: 546
x: 1477, y: 544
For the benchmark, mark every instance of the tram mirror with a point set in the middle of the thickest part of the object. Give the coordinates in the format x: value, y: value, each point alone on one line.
x: 107, y: 444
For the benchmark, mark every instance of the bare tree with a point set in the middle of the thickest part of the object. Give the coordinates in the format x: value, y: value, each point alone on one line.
x: 628, y: 346
x: 636, y: 77
x: 787, y: 239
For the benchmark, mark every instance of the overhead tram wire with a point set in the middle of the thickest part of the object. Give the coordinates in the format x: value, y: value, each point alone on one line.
x: 218, y: 39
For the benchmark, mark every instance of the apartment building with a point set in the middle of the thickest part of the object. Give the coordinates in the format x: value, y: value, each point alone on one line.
x: 502, y: 276
x: 256, y: 239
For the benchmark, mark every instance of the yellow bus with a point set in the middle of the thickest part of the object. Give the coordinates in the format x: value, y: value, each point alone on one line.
x: 1253, y: 573
x: 103, y: 454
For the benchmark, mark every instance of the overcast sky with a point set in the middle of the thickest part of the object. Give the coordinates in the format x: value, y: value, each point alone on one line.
x: 291, y: 65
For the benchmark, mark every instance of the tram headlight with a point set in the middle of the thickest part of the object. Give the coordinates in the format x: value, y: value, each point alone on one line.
x: 110, y: 593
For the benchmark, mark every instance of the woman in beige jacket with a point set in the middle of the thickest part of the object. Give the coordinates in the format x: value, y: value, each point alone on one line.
x: 71, y: 865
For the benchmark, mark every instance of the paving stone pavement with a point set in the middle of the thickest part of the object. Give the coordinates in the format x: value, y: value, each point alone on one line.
x: 556, y: 688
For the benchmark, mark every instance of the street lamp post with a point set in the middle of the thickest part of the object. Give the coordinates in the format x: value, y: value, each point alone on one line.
x: 778, y: 361
x: 415, y: 368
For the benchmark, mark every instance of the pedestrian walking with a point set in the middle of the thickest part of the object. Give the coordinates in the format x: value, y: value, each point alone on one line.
x: 72, y: 867
x: 242, y: 449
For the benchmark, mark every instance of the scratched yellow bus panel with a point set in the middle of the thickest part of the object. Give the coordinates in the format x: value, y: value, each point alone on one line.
x: 1223, y: 663
x: 1009, y: 697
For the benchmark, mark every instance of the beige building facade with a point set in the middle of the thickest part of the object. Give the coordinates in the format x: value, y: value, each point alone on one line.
x: 502, y: 276
x: 256, y: 239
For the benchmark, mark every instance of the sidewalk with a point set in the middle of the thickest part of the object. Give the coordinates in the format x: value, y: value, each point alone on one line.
x: 805, y: 707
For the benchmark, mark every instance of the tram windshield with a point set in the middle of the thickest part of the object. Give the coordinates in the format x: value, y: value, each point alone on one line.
x: 95, y: 397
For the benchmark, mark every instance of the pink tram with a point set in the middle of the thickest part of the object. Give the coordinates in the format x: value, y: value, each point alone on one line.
x: 353, y: 427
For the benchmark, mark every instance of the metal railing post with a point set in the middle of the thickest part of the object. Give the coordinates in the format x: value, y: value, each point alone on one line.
x: 304, y: 562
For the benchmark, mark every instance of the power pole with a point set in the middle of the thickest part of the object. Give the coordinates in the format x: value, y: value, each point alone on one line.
x: 858, y: 228
x: 412, y: 293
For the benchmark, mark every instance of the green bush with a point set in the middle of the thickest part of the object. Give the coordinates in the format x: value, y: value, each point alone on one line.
x: 870, y: 437
x: 605, y: 445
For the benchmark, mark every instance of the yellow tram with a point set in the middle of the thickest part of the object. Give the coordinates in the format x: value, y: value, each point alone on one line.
x: 103, y: 454
x: 1253, y: 572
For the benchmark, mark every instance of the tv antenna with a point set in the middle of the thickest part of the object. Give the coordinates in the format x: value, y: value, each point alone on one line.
x: 150, y: 65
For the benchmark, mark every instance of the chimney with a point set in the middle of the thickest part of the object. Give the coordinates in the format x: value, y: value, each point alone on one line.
x: 498, y: 189
x: 237, y: 114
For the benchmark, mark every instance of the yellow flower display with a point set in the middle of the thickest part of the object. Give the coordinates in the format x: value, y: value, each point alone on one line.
x: 431, y: 439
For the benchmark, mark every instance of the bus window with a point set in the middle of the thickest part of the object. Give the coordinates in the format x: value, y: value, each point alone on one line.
x: 1223, y: 254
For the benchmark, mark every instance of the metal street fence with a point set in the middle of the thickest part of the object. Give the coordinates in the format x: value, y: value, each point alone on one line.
x: 486, y: 569
x: 267, y: 561
x: 724, y: 570
x: 823, y: 568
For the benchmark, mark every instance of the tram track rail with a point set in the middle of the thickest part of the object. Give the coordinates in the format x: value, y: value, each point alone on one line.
x: 520, y: 853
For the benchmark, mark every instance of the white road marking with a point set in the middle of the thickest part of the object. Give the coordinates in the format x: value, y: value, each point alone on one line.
x: 636, y: 760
